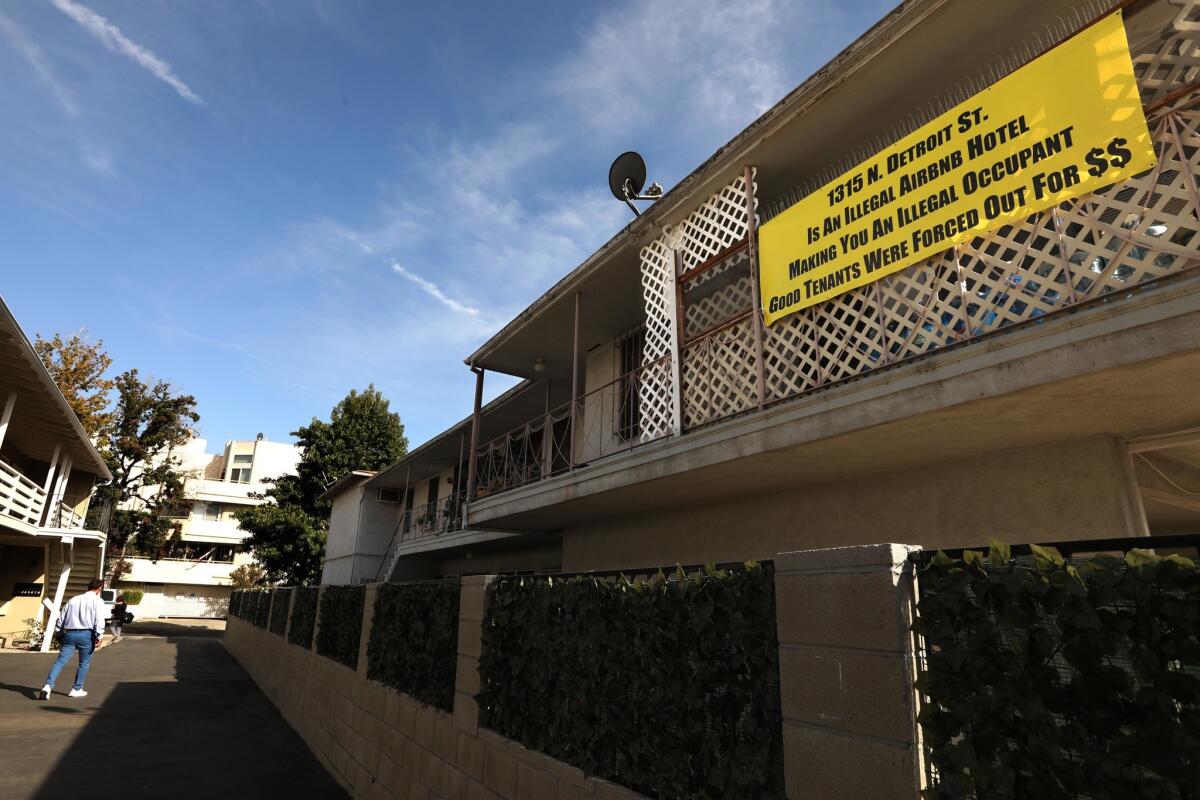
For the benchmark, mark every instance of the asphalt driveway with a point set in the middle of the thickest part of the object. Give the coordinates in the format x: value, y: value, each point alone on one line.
x: 168, y: 714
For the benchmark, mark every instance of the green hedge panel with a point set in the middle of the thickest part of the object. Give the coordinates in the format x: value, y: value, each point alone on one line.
x: 304, y: 616
x: 341, y: 623
x: 414, y: 640
x: 1045, y: 677
x: 670, y: 687
x: 235, y: 603
x: 262, y: 608
x: 279, y: 611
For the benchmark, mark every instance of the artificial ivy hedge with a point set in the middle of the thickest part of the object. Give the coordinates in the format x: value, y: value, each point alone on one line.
x: 262, y: 608
x: 341, y: 623
x: 279, y: 611
x: 668, y: 686
x: 304, y: 616
x: 235, y: 603
x: 414, y: 640
x: 1049, y: 678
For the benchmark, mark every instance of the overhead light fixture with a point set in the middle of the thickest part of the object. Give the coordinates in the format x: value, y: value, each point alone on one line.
x: 539, y: 365
x: 1156, y: 230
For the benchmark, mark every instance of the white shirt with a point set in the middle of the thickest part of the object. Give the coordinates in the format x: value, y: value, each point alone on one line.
x: 83, y: 611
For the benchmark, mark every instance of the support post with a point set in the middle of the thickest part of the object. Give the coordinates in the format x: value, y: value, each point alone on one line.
x: 55, y: 497
x: 7, y: 414
x: 846, y: 671
x: 756, y: 316
x: 574, y: 381
x: 63, y: 576
x: 471, y: 467
x: 678, y: 313
x: 474, y: 591
x: 50, y: 472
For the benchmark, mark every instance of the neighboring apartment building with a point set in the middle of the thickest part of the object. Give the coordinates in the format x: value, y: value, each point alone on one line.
x: 192, y: 580
x: 48, y: 468
x: 1037, y: 382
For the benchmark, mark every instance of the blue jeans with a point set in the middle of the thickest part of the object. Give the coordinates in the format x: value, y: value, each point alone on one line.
x: 73, y: 641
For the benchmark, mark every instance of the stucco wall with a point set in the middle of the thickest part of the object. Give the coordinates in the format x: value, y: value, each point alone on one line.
x: 1068, y: 490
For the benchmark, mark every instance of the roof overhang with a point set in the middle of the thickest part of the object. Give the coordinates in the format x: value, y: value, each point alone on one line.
x: 352, y: 478
x: 41, y: 418
x: 919, y: 54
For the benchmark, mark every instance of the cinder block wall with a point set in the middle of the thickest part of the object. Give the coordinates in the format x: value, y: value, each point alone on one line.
x: 846, y: 677
x: 381, y: 744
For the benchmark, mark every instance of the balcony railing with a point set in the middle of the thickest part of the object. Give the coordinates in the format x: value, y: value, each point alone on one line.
x: 430, y: 519
x: 20, y: 498
x: 63, y: 516
x: 613, y: 418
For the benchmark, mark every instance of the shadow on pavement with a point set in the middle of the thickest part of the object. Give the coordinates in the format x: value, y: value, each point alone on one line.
x: 188, y: 722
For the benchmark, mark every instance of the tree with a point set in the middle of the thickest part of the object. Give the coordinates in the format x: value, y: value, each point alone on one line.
x: 248, y: 576
x: 78, y: 367
x: 288, y: 534
x: 149, y: 422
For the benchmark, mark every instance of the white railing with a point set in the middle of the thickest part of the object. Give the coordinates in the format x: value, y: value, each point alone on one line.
x: 64, y: 517
x: 20, y: 498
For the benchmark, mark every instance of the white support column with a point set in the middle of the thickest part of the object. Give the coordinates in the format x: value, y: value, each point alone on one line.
x: 50, y: 472
x: 55, y: 497
x: 7, y: 415
x: 63, y: 576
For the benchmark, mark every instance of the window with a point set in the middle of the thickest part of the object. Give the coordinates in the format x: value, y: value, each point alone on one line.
x: 239, y: 472
x: 207, y: 511
x: 629, y: 411
x: 388, y: 494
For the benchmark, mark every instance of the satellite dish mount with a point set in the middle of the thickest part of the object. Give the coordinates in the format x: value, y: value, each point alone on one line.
x: 627, y: 176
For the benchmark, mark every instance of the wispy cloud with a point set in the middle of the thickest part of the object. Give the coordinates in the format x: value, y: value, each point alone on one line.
x: 430, y: 288
x: 112, y: 38
x: 30, y: 51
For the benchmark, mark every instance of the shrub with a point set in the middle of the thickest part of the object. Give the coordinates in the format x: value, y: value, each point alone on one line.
x: 414, y: 640
x: 132, y: 596
x: 262, y: 608
x: 668, y: 686
x: 1045, y: 677
x: 341, y: 623
x: 304, y: 616
x: 279, y: 611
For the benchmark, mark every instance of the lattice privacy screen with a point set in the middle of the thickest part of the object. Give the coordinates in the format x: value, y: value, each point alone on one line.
x: 1097, y: 245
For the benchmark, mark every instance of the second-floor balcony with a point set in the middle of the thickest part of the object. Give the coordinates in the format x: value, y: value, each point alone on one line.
x: 20, y: 498
x: 431, y: 519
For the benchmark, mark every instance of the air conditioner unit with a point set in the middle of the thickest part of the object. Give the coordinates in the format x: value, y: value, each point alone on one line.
x: 389, y: 495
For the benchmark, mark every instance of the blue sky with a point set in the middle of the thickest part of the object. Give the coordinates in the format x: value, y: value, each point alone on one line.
x: 270, y: 203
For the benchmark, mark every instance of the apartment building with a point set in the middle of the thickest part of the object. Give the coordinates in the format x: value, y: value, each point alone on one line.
x: 192, y: 578
x: 1032, y: 380
x: 48, y: 468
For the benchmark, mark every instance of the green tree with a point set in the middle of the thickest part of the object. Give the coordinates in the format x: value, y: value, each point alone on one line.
x: 288, y: 534
x: 248, y: 576
x: 78, y: 367
x: 149, y: 422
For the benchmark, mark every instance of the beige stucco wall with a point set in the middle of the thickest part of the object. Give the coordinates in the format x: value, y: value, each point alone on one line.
x: 1067, y: 490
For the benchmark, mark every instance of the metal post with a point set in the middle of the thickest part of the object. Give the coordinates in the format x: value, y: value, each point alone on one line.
x: 757, y: 315
x: 574, y: 380
x: 474, y: 434
x: 7, y: 415
x: 406, y: 514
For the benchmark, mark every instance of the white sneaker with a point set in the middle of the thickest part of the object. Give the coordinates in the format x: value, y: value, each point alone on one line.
x: 77, y: 693
x: 44, y: 694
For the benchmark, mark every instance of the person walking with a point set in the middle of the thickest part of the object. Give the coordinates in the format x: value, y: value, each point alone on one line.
x: 82, y: 625
x: 118, y: 617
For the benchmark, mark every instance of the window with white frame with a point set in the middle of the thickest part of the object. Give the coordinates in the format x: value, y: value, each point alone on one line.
x: 239, y: 472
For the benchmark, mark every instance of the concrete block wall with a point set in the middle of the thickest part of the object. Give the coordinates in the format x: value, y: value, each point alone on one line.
x: 381, y: 744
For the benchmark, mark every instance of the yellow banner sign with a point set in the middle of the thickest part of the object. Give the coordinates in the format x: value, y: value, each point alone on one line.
x: 1068, y: 123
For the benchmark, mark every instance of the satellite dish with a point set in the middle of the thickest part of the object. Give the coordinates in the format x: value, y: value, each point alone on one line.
x: 627, y: 176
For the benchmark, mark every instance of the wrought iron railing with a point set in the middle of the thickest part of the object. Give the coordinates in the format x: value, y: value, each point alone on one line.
x: 20, y: 498
x: 610, y: 419
x: 428, y: 519
x: 63, y: 516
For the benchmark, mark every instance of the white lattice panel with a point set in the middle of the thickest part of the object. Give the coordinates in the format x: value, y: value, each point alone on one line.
x: 1138, y: 231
